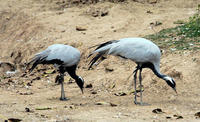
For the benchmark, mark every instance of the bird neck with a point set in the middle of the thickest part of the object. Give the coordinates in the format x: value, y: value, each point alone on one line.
x: 158, y: 74
x: 156, y: 70
x: 72, y: 72
x: 73, y: 75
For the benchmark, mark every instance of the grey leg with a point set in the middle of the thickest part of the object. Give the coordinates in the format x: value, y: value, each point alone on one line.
x: 135, y: 77
x: 61, y: 80
x: 140, y: 79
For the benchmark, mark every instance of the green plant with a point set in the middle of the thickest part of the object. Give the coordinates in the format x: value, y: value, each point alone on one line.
x: 191, y: 28
x: 183, y: 37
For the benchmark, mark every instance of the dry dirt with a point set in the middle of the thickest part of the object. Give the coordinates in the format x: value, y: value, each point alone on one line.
x: 29, y: 26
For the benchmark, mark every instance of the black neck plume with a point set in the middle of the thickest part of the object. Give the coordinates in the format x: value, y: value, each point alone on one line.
x: 72, y: 72
x: 152, y: 67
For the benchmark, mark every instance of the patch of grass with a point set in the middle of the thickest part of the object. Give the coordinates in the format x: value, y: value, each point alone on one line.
x: 2, y: 77
x: 191, y: 28
x: 183, y: 37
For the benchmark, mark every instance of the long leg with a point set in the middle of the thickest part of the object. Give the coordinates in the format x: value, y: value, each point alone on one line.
x: 62, y: 87
x: 141, y: 86
x: 140, y: 79
x: 135, y: 77
x: 60, y: 79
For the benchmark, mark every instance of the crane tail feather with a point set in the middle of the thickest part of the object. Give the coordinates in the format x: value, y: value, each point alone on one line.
x: 37, y: 59
x: 94, y: 60
x: 105, y: 44
x: 102, y: 49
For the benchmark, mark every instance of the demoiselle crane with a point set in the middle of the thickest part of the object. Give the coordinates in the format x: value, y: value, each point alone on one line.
x: 65, y: 58
x: 143, y: 52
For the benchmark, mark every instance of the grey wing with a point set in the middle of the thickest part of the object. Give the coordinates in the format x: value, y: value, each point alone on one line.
x: 67, y: 54
x: 38, y: 58
x: 135, y: 52
x: 72, y: 57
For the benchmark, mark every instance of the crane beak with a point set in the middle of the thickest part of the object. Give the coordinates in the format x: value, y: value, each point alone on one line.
x: 82, y: 90
x: 175, y: 91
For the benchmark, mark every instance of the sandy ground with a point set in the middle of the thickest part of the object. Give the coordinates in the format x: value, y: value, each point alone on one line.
x: 29, y: 26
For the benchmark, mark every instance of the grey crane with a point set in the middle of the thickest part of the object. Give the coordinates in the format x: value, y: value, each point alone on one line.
x: 65, y: 58
x: 143, y: 52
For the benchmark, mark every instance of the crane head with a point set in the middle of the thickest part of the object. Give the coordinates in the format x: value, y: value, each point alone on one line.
x: 170, y: 81
x: 80, y: 83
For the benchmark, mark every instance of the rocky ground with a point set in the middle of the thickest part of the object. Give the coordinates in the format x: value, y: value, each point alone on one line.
x: 29, y: 26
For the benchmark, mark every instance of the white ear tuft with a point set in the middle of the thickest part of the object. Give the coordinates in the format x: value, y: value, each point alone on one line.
x: 169, y: 79
x: 81, y: 79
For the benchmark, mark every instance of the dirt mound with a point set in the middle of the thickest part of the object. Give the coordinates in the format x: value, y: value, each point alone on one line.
x: 17, y: 30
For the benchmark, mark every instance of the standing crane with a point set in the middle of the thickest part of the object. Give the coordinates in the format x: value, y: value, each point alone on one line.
x: 65, y: 58
x: 143, y: 52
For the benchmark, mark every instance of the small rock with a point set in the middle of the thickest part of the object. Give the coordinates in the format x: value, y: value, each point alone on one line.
x: 88, y: 86
x: 60, y: 12
x: 13, y: 120
x: 70, y: 81
x: 149, y: 12
x: 157, y: 23
x: 8, y: 18
x: 98, y: 12
x: 157, y: 111
x: 24, y: 74
x: 107, y: 69
x: 72, y: 107
x: 173, y: 49
x: 132, y: 91
x: 168, y: 117
x: 26, y: 93
x: 29, y: 84
x: 10, y: 81
x: 101, y: 103
x: 49, y: 72
x: 36, y: 78
x: 120, y: 94
x: 93, y: 92
x: 42, y: 115
x: 178, y: 116
x: 197, y: 115
x: 62, y: 31
x: 94, y: 14
x: 112, y: 86
x: 105, y: 103
x: 46, y: 75
x: 45, y: 108
x: 112, y: 104
x: 27, y: 109
x: 80, y: 28
x: 76, y: 1
x: 104, y: 13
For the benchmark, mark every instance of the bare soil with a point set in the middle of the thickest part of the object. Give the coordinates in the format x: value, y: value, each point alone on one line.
x: 29, y: 26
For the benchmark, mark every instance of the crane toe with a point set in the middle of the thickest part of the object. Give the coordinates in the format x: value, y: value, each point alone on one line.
x: 141, y: 103
x: 64, y: 99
